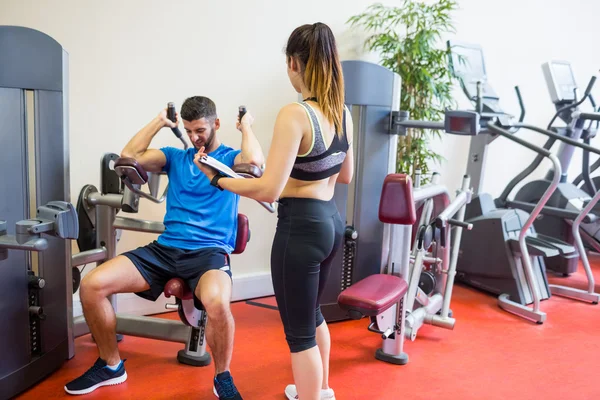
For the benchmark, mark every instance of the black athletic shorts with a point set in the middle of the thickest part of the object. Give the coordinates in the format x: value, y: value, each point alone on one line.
x: 158, y: 264
x: 308, y: 236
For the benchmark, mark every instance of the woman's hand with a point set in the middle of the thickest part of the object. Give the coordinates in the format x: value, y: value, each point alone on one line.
x: 210, y: 172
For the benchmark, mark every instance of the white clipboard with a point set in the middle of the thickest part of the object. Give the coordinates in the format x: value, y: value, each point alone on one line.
x: 225, y: 170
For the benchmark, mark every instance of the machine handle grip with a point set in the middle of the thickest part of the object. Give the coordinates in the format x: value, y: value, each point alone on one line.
x: 171, y: 116
x: 589, y: 87
x: 241, y: 112
x: 462, y: 224
x: 443, y: 232
x: 590, y: 116
x: 521, y: 104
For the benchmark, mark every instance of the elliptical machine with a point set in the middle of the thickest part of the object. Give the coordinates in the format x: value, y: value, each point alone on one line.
x: 568, y: 200
x: 503, y: 254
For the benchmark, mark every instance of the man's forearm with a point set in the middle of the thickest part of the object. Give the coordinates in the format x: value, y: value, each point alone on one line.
x: 251, y: 149
x: 141, y: 141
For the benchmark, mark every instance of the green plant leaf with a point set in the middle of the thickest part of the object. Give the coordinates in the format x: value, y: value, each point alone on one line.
x: 407, y: 37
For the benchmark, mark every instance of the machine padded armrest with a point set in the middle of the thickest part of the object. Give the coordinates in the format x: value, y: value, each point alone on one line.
x: 397, y: 205
x: 178, y: 288
x: 247, y: 170
x: 243, y: 234
x: 127, y: 167
x: 373, y: 295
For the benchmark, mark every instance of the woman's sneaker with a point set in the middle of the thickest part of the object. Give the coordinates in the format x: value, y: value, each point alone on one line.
x: 224, y: 388
x: 99, y: 375
x: 292, y: 393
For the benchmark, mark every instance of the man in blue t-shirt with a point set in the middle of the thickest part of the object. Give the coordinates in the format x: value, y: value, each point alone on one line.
x: 200, y: 233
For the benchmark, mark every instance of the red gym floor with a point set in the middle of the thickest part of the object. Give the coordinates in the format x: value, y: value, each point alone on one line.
x: 489, y: 355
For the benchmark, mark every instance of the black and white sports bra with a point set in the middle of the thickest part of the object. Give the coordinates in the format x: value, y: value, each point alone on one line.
x: 320, y: 162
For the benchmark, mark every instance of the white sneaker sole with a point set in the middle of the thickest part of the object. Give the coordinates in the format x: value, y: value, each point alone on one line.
x: 293, y: 397
x: 110, y: 382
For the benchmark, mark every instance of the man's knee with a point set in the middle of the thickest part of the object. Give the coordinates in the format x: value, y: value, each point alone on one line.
x: 93, y: 286
x: 215, y: 304
x: 114, y: 276
x: 214, y: 293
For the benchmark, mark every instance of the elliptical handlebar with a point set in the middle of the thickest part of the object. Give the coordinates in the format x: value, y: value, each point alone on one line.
x: 557, y: 171
x: 521, y: 104
x: 580, y: 177
x: 565, y: 139
x: 503, y: 198
x: 589, y: 87
x: 593, y: 116
x: 502, y: 132
x: 584, y: 146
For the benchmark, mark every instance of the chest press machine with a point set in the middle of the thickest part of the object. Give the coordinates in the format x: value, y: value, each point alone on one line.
x: 99, y: 224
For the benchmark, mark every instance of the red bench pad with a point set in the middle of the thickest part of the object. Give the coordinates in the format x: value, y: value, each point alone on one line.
x: 178, y: 288
x: 374, y: 294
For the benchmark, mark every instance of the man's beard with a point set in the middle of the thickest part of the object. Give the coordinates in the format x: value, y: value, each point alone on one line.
x: 209, y: 142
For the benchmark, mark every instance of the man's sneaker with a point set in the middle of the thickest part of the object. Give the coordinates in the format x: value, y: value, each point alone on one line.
x: 224, y: 388
x: 99, y: 375
x: 292, y: 393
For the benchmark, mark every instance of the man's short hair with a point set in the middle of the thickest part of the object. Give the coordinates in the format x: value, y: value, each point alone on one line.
x: 198, y: 107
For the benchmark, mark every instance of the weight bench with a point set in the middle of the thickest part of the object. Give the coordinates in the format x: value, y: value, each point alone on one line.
x: 381, y: 296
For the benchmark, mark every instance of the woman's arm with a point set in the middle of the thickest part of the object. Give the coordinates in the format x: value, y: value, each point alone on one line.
x: 347, y: 171
x: 287, y: 136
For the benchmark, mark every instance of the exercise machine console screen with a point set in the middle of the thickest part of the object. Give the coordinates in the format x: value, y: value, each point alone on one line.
x: 560, y: 80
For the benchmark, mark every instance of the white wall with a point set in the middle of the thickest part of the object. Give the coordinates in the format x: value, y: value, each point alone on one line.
x: 129, y: 58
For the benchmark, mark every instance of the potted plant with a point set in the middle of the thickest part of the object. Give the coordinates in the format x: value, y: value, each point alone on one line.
x: 408, y: 38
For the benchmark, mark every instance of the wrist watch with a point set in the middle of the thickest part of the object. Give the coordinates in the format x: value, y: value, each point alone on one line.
x: 215, y: 181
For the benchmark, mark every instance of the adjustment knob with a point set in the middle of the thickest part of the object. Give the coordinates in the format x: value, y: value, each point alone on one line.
x: 351, y: 233
x: 35, y: 282
x: 37, y: 311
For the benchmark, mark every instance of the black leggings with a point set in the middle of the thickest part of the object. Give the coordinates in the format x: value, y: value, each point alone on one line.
x: 309, y: 232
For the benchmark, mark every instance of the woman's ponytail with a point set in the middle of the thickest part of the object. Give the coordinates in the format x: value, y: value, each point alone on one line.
x: 315, y: 47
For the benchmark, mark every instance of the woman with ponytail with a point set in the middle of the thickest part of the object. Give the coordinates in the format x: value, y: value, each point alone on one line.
x: 311, y: 151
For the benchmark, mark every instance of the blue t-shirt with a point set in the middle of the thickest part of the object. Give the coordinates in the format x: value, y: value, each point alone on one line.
x: 198, y: 215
